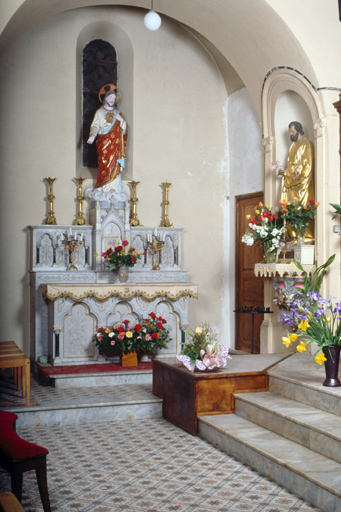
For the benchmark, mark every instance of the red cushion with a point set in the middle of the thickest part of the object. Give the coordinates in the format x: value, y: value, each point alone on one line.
x: 12, y: 447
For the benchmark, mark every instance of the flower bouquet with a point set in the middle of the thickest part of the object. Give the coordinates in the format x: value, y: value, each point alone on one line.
x: 121, y: 256
x: 266, y: 228
x: 298, y: 215
x: 315, y: 320
x: 203, y: 352
x: 146, y: 336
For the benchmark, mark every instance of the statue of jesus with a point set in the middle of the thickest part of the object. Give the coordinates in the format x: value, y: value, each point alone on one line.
x: 110, y: 129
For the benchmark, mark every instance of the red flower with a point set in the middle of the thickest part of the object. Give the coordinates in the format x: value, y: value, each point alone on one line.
x: 121, y: 329
x: 311, y: 202
x: 134, y: 259
x: 265, y: 214
x: 125, y: 322
x: 153, y: 315
x: 252, y: 220
x: 159, y: 325
x: 164, y: 321
x: 125, y: 243
x: 109, y: 251
x: 100, y: 329
x: 259, y: 218
x: 155, y: 335
x: 119, y: 248
x: 271, y: 218
x: 284, y: 212
x: 276, y: 215
x: 138, y: 327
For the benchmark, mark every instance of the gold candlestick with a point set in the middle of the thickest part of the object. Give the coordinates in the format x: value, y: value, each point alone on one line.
x: 133, y: 220
x: 80, y: 220
x: 166, y: 223
x: 50, y: 219
x: 71, y: 245
x: 155, y: 246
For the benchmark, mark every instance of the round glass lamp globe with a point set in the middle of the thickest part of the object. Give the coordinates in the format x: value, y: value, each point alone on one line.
x: 152, y: 21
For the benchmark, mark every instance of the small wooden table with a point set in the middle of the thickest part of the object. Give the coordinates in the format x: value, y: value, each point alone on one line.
x: 187, y: 395
x: 11, y: 356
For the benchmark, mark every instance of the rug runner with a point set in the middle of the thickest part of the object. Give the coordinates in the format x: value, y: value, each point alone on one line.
x: 47, y: 371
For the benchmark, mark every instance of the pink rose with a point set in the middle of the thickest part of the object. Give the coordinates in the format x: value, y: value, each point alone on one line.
x: 100, y: 337
x: 121, y: 336
x: 112, y: 342
x: 125, y: 243
x: 148, y: 337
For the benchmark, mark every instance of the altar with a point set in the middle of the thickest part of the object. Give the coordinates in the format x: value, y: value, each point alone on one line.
x: 72, y: 295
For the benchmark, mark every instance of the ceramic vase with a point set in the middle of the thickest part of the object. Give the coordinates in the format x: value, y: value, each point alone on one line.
x: 332, y: 366
x: 123, y: 274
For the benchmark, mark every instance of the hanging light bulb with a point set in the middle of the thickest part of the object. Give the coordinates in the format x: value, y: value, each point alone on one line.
x: 152, y: 20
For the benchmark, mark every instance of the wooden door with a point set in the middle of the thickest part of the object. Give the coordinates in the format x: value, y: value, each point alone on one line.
x: 249, y: 289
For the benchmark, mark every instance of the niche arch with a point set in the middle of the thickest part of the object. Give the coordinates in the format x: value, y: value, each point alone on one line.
x: 118, y: 38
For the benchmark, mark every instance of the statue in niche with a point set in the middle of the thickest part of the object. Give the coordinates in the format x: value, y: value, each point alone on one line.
x: 298, y: 178
x: 111, y: 131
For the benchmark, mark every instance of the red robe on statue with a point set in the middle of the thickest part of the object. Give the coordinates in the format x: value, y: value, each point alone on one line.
x: 110, y: 148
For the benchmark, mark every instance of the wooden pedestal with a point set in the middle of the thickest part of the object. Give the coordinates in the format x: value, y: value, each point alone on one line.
x: 187, y: 395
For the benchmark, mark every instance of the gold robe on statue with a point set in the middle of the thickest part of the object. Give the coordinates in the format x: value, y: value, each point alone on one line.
x: 298, y: 178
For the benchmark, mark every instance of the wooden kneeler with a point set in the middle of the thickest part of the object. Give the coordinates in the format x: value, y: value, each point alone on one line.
x: 18, y: 456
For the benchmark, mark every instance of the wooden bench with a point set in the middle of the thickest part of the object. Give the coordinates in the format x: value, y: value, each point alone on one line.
x: 11, y: 356
x: 18, y: 456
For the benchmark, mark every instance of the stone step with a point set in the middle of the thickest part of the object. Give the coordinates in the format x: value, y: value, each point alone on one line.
x: 85, y: 380
x: 315, y: 429
x: 81, y: 406
x: 306, y: 473
x: 301, y: 379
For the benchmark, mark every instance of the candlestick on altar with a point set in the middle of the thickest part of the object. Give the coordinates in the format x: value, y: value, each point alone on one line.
x: 50, y: 219
x: 133, y: 220
x: 166, y: 223
x: 155, y: 245
x: 72, y: 244
x: 80, y: 220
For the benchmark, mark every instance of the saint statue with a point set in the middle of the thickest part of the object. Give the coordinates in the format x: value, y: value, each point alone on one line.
x: 110, y: 129
x: 298, y: 178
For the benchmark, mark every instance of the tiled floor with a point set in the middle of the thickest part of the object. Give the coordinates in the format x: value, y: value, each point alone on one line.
x: 146, y: 465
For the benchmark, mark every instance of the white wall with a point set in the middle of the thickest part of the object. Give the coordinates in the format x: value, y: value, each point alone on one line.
x: 245, y: 157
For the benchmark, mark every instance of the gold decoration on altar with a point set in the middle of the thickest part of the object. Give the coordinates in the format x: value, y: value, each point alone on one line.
x: 50, y: 219
x: 78, y: 292
x: 80, y: 220
x: 72, y: 244
x: 155, y: 245
x: 166, y: 223
x: 133, y: 220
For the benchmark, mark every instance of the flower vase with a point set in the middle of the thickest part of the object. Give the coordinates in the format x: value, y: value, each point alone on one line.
x: 271, y: 256
x: 129, y: 359
x: 332, y: 366
x: 123, y: 274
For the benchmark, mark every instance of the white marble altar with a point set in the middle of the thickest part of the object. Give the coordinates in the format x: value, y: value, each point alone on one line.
x: 67, y: 306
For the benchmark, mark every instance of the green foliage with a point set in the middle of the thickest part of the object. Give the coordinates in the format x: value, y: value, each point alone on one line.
x: 299, y: 215
x: 337, y: 208
x: 315, y: 282
x: 200, y: 338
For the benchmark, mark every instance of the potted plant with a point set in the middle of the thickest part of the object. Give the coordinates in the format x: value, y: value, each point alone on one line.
x: 314, y: 319
x: 146, y: 336
x: 120, y: 258
x: 202, y: 351
x: 265, y: 228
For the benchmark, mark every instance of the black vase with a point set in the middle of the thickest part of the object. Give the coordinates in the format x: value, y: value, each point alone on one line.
x: 332, y: 366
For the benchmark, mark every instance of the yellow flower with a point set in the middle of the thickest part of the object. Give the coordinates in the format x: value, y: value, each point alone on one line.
x: 286, y: 341
x: 257, y: 211
x: 248, y: 216
x: 293, y: 336
x: 198, y: 330
x: 328, y: 319
x: 320, y: 358
x: 303, y: 325
x: 96, y: 255
x: 267, y: 206
x: 260, y: 204
x: 129, y: 334
x: 301, y: 346
x: 107, y: 330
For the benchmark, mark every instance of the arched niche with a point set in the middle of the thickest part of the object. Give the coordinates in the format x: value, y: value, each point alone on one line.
x: 119, y: 39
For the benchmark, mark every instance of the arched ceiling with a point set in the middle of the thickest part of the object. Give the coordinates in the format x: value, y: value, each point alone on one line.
x: 250, y: 35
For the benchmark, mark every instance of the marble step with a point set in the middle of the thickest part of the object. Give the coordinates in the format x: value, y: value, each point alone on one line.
x: 85, y: 380
x: 302, y: 380
x: 306, y: 473
x: 124, y: 403
x: 315, y: 429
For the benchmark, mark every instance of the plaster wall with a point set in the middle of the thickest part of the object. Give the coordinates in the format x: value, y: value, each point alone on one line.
x: 245, y: 159
x: 179, y: 134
